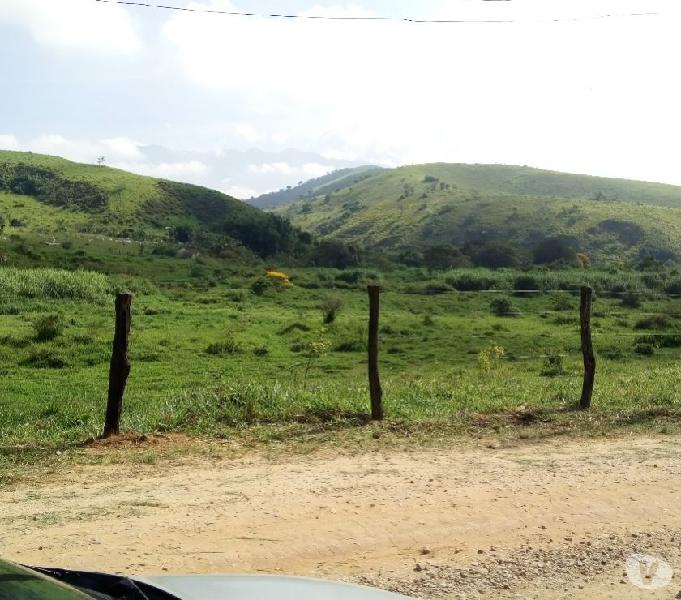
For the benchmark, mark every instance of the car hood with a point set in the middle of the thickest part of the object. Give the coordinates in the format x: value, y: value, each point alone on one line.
x: 264, y: 587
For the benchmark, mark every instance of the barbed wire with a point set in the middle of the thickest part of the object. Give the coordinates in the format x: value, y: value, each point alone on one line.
x: 212, y: 11
x: 574, y: 291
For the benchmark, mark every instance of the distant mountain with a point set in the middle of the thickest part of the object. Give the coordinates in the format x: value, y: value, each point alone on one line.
x: 325, y: 184
x: 497, y: 215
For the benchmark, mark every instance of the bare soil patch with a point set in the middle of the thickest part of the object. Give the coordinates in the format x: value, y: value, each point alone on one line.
x: 545, y: 520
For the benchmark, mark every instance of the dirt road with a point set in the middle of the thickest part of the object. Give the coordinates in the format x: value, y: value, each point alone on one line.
x: 548, y: 520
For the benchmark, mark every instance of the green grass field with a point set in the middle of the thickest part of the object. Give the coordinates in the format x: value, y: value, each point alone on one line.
x: 216, y: 359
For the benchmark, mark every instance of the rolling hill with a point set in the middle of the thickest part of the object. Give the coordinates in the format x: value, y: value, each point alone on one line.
x: 325, y: 184
x: 497, y: 215
x: 43, y: 196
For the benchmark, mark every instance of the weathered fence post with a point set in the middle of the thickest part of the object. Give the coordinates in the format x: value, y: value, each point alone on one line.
x: 374, y: 381
x: 585, y: 297
x: 119, y: 368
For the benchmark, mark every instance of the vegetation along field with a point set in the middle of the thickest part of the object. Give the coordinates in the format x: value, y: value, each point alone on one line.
x: 221, y: 349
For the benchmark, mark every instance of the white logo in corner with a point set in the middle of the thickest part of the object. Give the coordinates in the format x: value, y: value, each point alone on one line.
x: 649, y: 572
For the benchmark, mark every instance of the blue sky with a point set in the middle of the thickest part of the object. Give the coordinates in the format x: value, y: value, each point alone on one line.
x: 601, y: 96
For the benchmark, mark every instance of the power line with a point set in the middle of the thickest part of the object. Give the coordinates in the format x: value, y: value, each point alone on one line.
x: 368, y: 18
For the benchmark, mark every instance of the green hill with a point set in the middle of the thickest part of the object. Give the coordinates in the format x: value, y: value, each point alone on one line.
x: 43, y: 196
x: 325, y: 184
x: 496, y: 215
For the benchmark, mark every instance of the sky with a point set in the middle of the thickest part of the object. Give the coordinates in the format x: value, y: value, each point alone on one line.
x: 250, y: 104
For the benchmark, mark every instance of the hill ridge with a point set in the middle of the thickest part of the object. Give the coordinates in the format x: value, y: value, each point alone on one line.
x: 517, y: 208
x: 40, y: 193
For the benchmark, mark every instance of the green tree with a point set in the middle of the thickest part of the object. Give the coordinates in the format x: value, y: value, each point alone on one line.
x: 444, y: 256
x: 495, y: 255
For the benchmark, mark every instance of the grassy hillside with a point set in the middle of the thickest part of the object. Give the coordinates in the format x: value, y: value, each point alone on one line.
x: 473, y: 207
x: 314, y: 187
x: 45, y: 196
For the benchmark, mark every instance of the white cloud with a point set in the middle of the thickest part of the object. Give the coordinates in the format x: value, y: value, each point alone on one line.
x: 74, y: 24
x: 9, y: 141
x: 115, y: 150
x: 123, y: 148
x: 315, y: 169
x: 207, y: 169
x: 240, y: 192
x: 184, y: 170
x: 308, y: 170
x: 280, y: 137
x: 337, y: 10
x: 248, y: 133
x: 596, y: 95
x: 120, y: 152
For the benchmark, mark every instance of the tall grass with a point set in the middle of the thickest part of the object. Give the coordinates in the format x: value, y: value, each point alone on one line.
x: 53, y: 284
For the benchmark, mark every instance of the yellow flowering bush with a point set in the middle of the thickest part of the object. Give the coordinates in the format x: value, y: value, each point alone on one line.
x: 280, y: 277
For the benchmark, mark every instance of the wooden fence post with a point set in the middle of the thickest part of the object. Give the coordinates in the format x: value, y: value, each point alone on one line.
x: 374, y: 381
x: 585, y: 297
x: 119, y: 368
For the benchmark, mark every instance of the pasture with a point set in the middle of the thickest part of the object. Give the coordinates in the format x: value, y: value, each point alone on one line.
x: 460, y: 352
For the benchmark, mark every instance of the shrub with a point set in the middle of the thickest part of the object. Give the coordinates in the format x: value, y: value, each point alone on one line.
x: 644, y: 348
x: 48, y: 328
x: 490, y: 357
x: 613, y: 353
x: 562, y: 302
x: 553, y: 366
x: 261, y: 351
x: 349, y: 276
x: 44, y: 358
x: 227, y: 346
x: 197, y: 271
x: 673, y: 288
x: 495, y: 255
x: 503, y: 307
x: 652, y: 322
x: 236, y: 296
x: 334, y: 254
x: 556, y: 249
x: 354, y: 345
x: 444, y: 256
x: 525, y: 282
x: 470, y: 283
x: 631, y: 300
x: 330, y: 306
x: 260, y: 286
